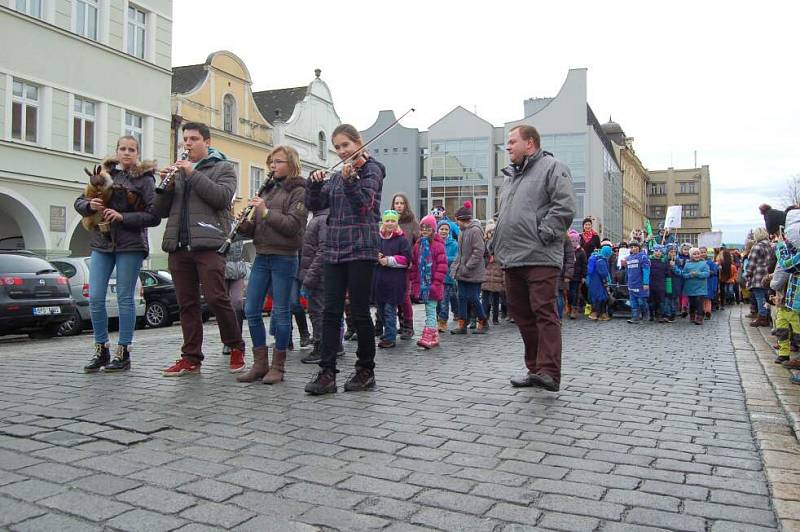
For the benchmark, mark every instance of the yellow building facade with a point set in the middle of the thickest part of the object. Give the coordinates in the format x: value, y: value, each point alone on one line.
x: 635, y: 179
x: 219, y: 94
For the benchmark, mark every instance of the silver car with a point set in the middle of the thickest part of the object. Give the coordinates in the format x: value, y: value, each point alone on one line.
x: 76, y: 270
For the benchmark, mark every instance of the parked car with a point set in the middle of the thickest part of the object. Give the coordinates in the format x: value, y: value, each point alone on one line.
x: 34, y: 296
x: 162, y: 303
x: 76, y: 269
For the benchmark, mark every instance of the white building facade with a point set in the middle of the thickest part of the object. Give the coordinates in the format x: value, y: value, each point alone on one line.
x: 75, y: 75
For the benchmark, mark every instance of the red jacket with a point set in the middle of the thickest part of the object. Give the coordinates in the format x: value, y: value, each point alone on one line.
x: 438, y: 269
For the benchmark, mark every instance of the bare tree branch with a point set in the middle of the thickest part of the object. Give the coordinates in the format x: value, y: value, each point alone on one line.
x: 791, y: 194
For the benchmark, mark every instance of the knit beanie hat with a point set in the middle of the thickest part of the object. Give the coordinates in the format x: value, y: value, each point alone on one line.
x: 774, y: 219
x: 430, y: 221
x: 659, y: 247
x: 390, y: 214
x: 606, y: 252
x: 465, y: 212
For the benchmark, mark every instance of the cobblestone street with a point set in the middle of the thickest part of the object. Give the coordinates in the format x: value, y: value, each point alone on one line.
x: 651, y: 428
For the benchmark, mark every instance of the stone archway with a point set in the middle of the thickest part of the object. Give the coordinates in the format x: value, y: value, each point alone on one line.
x: 20, y: 224
x: 79, y: 241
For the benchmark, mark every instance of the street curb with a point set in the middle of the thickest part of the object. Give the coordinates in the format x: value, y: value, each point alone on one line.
x: 775, y: 424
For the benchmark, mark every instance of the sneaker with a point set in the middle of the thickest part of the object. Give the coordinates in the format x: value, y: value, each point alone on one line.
x: 363, y: 379
x: 121, y: 360
x: 386, y: 344
x: 795, y: 379
x: 182, y: 366
x: 406, y: 333
x: 635, y: 322
x: 780, y: 359
x: 314, y: 356
x: 236, y: 364
x: 305, y: 341
x: 472, y: 324
x: 101, y: 358
x: 324, y: 382
x: 226, y: 351
x: 348, y: 335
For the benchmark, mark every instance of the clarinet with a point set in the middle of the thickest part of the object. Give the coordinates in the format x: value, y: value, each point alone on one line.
x: 247, y: 214
x: 167, y: 181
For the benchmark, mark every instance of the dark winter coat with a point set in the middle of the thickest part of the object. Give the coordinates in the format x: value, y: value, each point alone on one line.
x: 197, y: 208
x: 568, y: 268
x: 580, y: 264
x: 451, y: 247
x: 590, y: 245
x: 470, y: 265
x: 438, y: 270
x: 389, y: 282
x: 659, y: 269
x: 410, y: 227
x: 354, y: 212
x: 281, y: 232
x: 133, y: 196
x: 312, y: 258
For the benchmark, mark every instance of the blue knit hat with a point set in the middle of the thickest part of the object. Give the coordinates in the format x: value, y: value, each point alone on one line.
x: 606, y: 252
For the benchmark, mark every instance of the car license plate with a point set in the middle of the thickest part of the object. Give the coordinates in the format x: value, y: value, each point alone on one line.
x: 46, y: 311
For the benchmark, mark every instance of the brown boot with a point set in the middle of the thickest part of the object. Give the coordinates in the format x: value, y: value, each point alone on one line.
x: 461, y: 329
x: 260, y: 365
x: 275, y: 373
x: 442, y: 325
x: 482, y: 327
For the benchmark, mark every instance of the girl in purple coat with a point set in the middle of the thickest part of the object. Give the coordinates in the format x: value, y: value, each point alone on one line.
x: 389, y: 280
x: 428, y: 271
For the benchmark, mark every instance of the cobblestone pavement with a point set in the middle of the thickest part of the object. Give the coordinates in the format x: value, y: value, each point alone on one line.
x: 650, y: 429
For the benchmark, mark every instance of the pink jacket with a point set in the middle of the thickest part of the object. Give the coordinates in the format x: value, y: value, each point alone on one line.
x: 438, y: 269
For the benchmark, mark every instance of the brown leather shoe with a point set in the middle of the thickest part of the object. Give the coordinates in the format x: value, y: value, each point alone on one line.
x: 792, y: 364
x: 275, y: 373
x: 260, y: 364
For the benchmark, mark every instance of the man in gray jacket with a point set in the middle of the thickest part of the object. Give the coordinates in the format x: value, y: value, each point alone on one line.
x: 196, y: 207
x: 537, y: 205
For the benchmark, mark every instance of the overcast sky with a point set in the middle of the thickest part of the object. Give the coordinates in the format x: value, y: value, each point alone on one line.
x: 720, y: 78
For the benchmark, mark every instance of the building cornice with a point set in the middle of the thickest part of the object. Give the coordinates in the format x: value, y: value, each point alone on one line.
x: 80, y: 38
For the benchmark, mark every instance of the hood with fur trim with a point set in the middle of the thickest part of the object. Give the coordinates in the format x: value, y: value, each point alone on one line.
x: 111, y: 164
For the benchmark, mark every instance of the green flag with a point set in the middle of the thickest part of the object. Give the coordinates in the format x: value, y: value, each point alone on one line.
x: 649, y: 228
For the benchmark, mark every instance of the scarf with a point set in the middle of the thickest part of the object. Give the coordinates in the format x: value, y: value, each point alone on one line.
x: 587, y: 235
x: 425, y: 273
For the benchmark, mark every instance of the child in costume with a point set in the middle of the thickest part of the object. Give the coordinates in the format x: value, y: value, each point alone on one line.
x: 427, y: 274
x: 389, y: 281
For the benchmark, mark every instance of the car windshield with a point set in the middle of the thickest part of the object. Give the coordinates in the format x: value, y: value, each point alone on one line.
x: 10, y: 263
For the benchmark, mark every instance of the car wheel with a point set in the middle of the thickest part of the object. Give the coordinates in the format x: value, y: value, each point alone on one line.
x: 157, y: 315
x: 71, y: 327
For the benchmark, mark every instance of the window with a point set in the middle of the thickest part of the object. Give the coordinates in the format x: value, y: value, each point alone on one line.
x: 658, y: 189
x: 691, y: 210
x: 688, y: 187
x: 256, y: 178
x: 83, y: 125
x: 136, y: 31
x: 30, y: 7
x: 658, y: 211
x: 25, y: 111
x: 134, y: 126
x: 86, y: 18
x: 228, y: 113
x: 322, y: 146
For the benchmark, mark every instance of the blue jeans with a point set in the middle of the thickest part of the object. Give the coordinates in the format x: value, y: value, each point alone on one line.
x: 128, y: 264
x: 560, y: 305
x: 469, y: 293
x: 638, y: 307
x: 273, y: 274
x: 449, y: 302
x: 669, y: 306
x: 761, y: 296
x: 389, y: 317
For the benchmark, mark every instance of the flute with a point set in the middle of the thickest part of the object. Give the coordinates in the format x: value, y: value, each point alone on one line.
x: 247, y: 214
x: 167, y: 181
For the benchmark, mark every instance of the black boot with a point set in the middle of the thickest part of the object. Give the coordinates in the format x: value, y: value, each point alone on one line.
x: 101, y: 358
x: 121, y: 360
x: 314, y: 356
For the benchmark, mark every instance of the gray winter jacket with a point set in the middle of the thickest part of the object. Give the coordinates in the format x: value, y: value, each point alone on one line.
x: 199, y: 206
x: 537, y: 205
x: 312, y: 258
x: 470, y: 263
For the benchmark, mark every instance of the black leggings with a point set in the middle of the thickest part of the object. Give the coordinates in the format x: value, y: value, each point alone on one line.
x: 353, y: 279
x: 696, y: 305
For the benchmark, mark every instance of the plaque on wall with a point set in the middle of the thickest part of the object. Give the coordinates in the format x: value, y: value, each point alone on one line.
x: 58, y: 219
